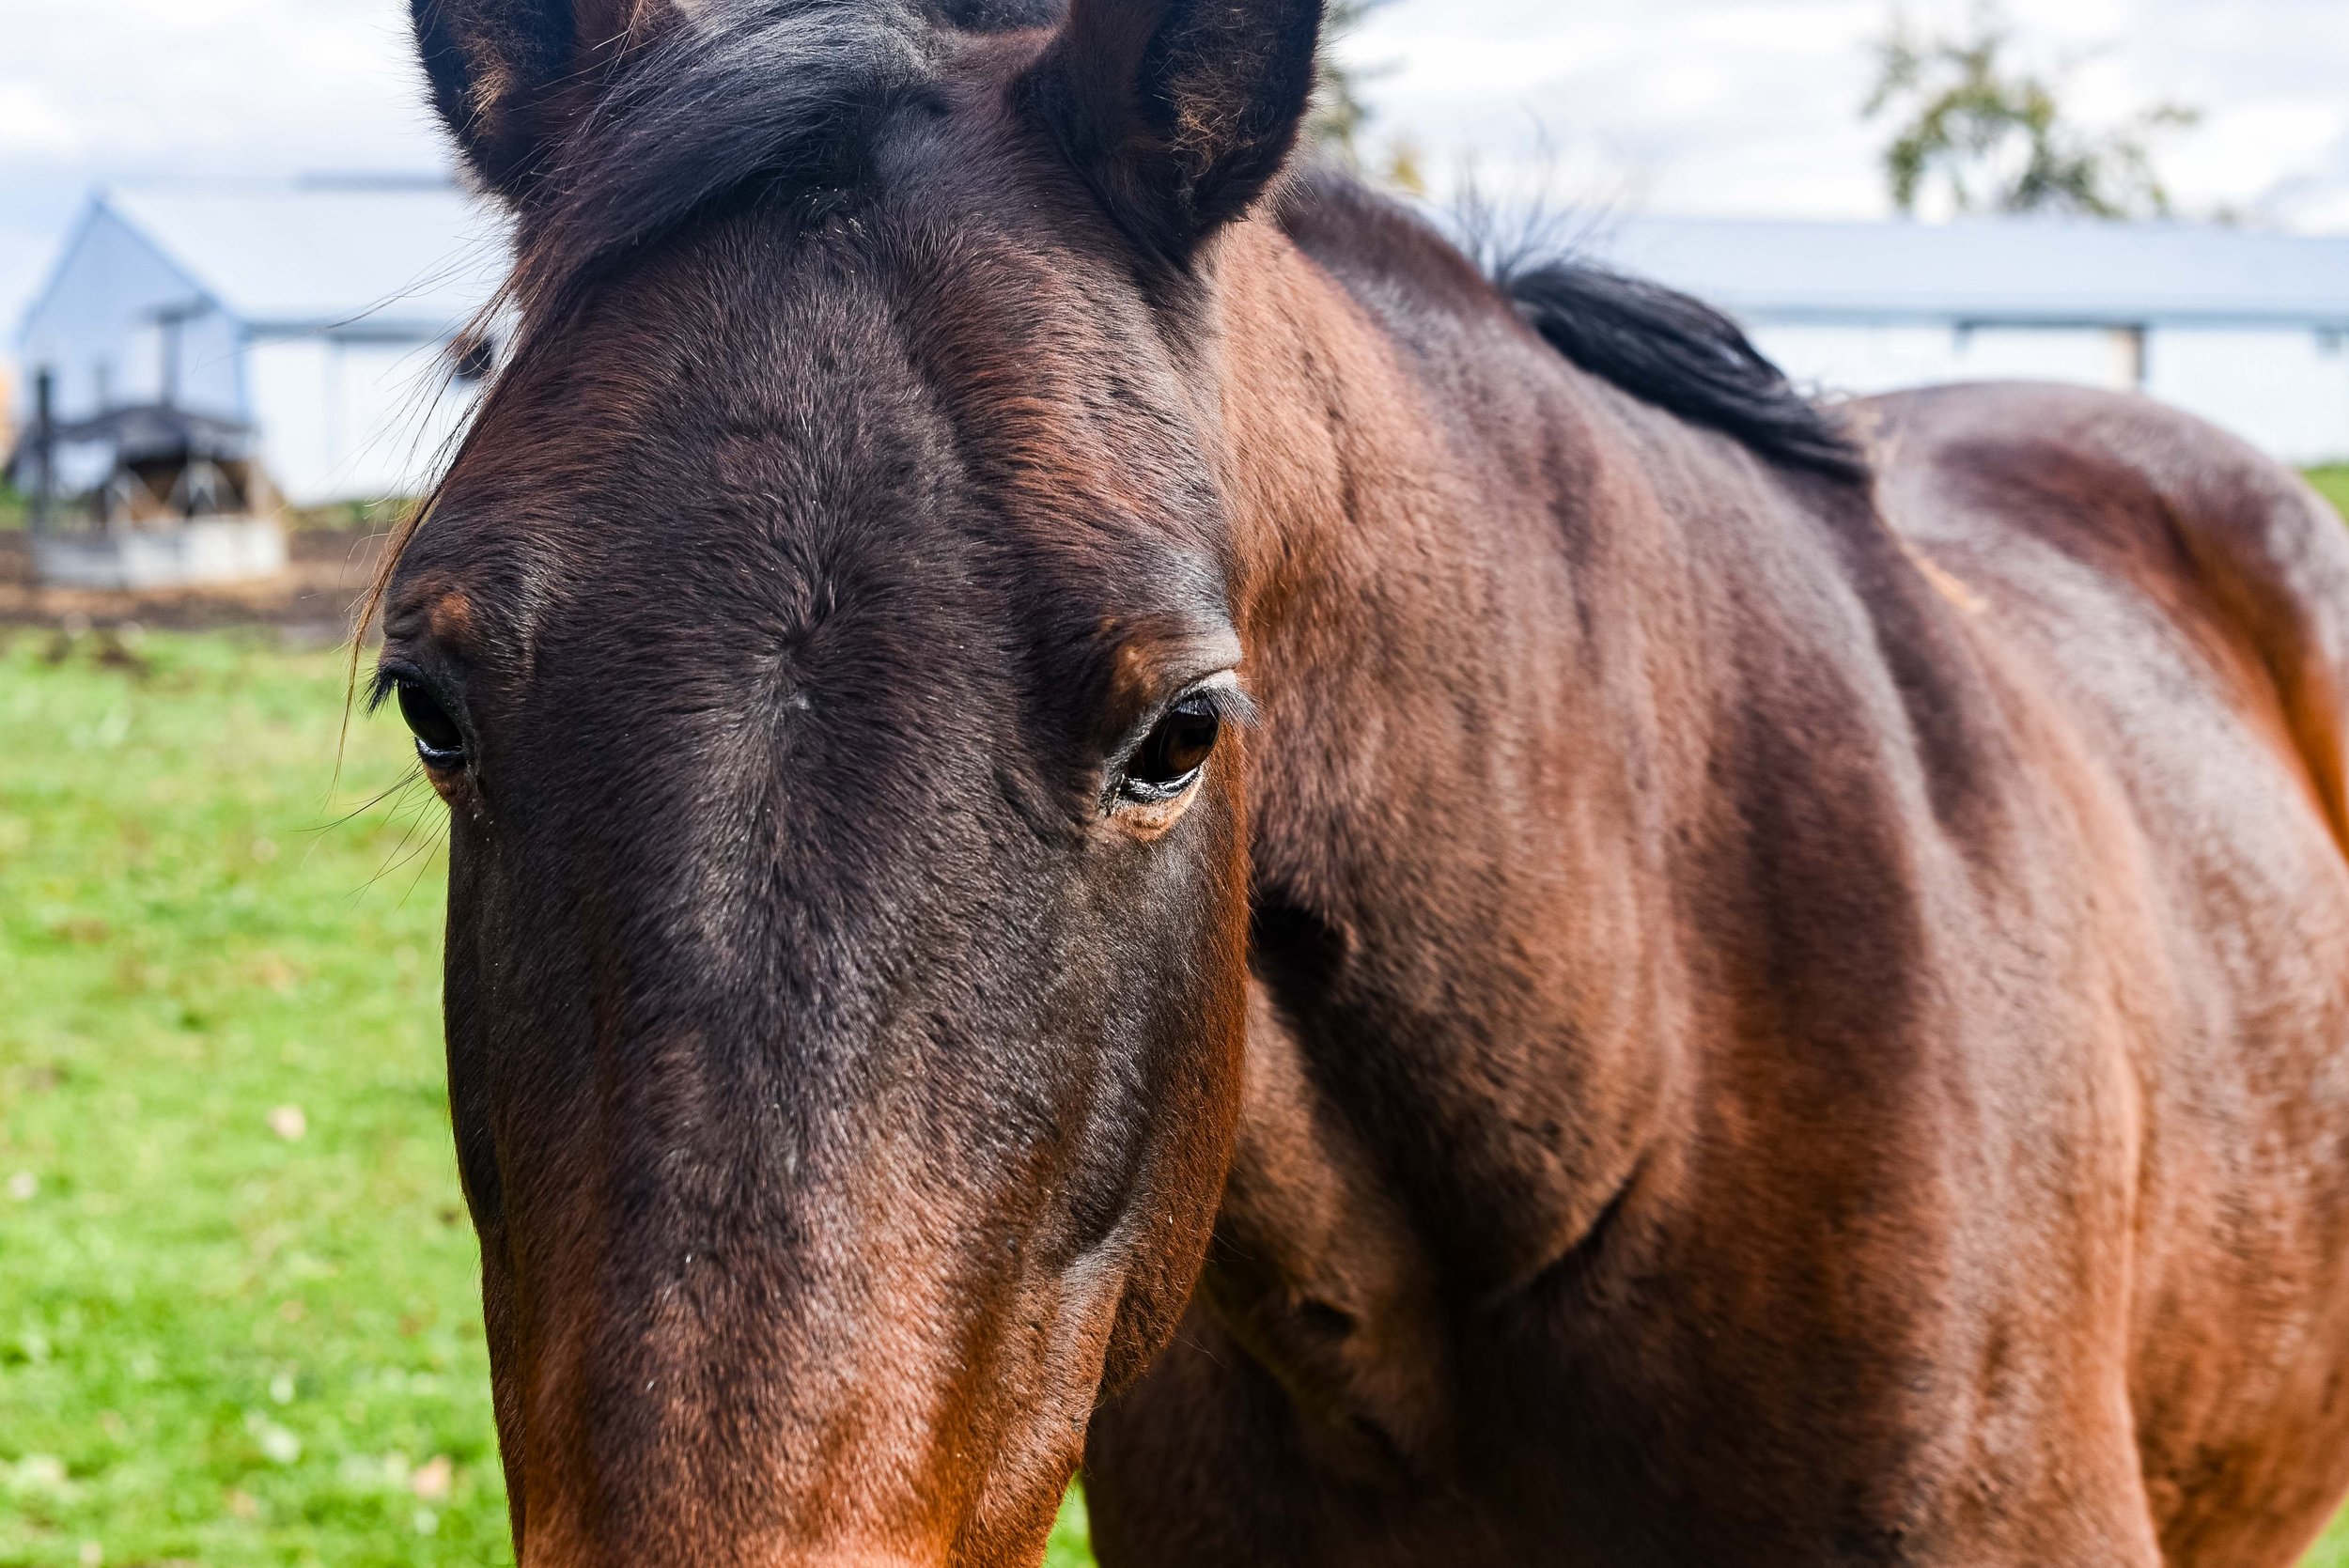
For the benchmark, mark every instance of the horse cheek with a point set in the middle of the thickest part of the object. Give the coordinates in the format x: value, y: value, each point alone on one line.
x: 1199, y: 1101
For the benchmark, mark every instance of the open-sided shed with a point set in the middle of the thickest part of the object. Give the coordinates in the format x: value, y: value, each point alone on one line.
x: 321, y: 314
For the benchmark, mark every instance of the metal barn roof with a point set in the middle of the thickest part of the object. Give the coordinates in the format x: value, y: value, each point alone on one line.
x: 407, y: 259
x: 2010, y: 272
x: 398, y: 259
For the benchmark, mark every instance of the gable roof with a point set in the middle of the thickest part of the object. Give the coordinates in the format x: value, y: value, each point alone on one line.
x: 404, y: 259
x: 1992, y: 271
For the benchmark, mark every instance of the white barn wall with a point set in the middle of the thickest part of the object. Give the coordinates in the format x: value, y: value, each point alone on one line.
x: 351, y: 419
x: 96, y: 328
x: 292, y: 408
x: 399, y: 408
x: 2240, y: 326
x: 2084, y: 356
x: 1860, y: 359
x: 211, y: 363
x: 2287, y: 390
x: 1872, y: 359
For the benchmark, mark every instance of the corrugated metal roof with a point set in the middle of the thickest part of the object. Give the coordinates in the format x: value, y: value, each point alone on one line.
x: 2005, y: 271
x: 424, y: 258
x: 391, y: 257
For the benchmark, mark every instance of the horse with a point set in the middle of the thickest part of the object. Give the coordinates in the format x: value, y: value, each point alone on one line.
x: 1109, y: 811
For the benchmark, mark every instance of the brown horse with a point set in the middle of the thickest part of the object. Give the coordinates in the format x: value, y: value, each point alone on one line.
x: 1104, y: 806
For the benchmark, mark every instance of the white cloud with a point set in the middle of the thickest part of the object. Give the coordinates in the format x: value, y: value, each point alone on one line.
x: 221, y: 85
x: 32, y: 121
x: 1753, y: 105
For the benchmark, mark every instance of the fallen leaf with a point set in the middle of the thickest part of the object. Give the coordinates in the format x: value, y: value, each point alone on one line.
x: 433, y: 1479
x: 37, y: 1472
x: 280, y: 1446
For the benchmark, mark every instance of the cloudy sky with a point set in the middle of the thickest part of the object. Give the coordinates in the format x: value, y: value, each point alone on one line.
x: 1751, y: 106
x: 1739, y: 106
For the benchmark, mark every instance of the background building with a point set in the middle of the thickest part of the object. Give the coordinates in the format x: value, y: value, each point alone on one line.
x: 2249, y: 330
x: 331, y: 314
x: 322, y: 314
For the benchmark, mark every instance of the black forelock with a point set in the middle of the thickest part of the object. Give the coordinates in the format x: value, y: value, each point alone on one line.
x: 787, y: 96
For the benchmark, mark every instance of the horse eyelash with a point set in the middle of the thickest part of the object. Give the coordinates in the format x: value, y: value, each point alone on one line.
x: 1233, y: 706
x: 381, y: 686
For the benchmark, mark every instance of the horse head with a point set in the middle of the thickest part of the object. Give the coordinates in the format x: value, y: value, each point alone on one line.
x: 825, y: 644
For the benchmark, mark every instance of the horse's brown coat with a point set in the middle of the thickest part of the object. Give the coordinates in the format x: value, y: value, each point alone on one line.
x: 1717, y: 1016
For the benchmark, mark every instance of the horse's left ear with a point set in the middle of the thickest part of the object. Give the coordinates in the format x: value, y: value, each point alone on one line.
x: 511, y: 77
x: 1179, y: 113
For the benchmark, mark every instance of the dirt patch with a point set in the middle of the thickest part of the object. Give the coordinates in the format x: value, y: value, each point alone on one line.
x: 313, y: 599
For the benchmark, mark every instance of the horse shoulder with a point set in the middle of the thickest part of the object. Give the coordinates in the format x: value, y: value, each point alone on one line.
x: 2175, y: 606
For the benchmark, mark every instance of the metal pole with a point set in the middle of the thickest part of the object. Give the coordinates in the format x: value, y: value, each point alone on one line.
x: 44, y: 448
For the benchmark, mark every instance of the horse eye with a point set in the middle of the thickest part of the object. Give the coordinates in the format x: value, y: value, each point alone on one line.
x: 1175, y: 752
x: 439, y: 741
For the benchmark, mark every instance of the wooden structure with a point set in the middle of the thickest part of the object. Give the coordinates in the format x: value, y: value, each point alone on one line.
x: 167, y: 499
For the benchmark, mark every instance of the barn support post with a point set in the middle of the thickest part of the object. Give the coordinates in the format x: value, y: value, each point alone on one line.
x: 2136, y: 361
x: 44, y: 448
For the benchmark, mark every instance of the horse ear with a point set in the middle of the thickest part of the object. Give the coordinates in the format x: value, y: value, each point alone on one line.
x: 1179, y: 113
x: 510, y: 77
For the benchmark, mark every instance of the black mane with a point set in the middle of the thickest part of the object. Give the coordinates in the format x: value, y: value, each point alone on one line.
x: 1681, y: 355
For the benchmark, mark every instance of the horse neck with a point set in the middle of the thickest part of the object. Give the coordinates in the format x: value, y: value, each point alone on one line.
x: 1471, y: 631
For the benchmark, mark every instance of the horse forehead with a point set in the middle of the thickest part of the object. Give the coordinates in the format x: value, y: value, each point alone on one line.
x: 876, y: 332
x: 855, y: 400
x: 696, y: 379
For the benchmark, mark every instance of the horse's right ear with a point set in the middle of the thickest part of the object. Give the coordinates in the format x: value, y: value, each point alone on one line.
x: 510, y: 77
x: 1179, y: 113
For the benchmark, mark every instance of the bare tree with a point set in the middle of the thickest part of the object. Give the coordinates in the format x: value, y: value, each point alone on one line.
x: 1994, y: 135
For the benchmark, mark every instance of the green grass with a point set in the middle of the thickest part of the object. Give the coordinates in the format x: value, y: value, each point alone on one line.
x: 227, y: 1335
x: 219, y: 1343
x: 2333, y: 483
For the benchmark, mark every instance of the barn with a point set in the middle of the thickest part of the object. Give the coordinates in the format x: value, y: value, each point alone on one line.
x: 2250, y: 329
x: 330, y: 315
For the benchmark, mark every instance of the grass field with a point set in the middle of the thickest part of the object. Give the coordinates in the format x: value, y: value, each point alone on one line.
x: 238, y: 1321
x: 2334, y: 483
